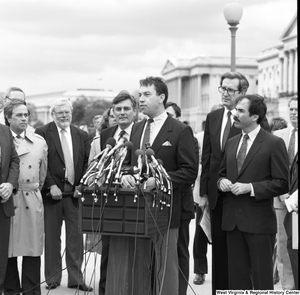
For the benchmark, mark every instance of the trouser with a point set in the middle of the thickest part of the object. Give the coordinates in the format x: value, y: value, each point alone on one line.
x: 31, y: 276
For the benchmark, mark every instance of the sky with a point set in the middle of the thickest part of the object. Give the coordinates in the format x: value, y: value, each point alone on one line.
x: 55, y: 45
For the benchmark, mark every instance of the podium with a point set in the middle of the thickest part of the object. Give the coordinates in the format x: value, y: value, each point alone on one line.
x: 123, y: 212
x: 131, y: 217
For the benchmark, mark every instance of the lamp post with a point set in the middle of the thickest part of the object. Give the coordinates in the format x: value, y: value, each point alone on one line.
x: 233, y: 13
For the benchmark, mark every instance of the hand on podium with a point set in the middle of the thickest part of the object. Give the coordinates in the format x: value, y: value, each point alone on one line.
x: 128, y: 181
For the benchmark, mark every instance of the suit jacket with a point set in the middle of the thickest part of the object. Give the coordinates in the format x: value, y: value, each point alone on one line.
x: 56, y: 164
x: 179, y: 157
x: 284, y: 134
x: 212, y: 154
x: 266, y: 168
x: 9, y: 163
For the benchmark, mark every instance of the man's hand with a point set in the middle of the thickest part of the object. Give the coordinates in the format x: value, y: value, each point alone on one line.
x: 6, y: 189
x: 128, y: 181
x: 55, y: 192
x: 241, y: 188
x: 225, y: 185
x: 150, y: 183
x: 203, y: 202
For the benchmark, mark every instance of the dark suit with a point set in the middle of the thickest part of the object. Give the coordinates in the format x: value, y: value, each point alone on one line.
x: 250, y: 222
x: 66, y: 208
x: 105, y: 134
x: 293, y: 253
x: 212, y: 157
x: 180, y: 162
x: 9, y: 172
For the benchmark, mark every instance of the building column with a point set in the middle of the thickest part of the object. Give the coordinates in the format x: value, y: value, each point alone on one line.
x: 281, y: 74
x: 296, y: 72
x: 199, y: 91
x: 285, y: 72
x: 179, y: 89
x: 291, y: 72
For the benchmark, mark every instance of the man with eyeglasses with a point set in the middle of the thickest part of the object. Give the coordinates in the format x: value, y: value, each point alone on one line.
x: 10, y: 94
x: 68, y: 152
x: 218, y: 129
x: 290, y: 137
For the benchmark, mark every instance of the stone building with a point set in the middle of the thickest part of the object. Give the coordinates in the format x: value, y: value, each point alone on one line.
x: 278, y: 71
x: 193, y: 84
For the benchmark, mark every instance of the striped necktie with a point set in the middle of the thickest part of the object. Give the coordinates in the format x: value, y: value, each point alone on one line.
x: 146, y: 139
x: 242, y: 153
x: 291, y: 148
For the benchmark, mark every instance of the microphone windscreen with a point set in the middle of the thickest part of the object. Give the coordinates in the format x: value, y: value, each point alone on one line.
x: 111, y: 141
x: 139, y: 152
x: 129, y: 145
x: 160, y: 162
x: 150, y: 152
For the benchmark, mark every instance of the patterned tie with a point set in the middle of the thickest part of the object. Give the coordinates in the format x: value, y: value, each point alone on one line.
x: 291, y: 148
x: 68, y: 159
x: 146, y: 138
x: 242, y: 153
x: 122, y: 132
x: 226, y: 130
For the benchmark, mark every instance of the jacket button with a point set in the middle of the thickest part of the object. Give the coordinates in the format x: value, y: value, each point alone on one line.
x: 27, y: 207
x: 29, y: 166
x: 15, y: 207
x: 28, y: 180
x: 27, y: 194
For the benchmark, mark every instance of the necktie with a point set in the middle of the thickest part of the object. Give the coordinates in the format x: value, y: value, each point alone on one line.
x: 291, y: 148
x: 122, y: 132
x: 146, y: 138
x: 242, y: 153
x: 68, y: 159
x: 226, y: 130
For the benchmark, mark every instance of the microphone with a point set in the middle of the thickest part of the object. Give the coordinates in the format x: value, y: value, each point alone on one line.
x: 119, y: 144
x: 127, y: 146
x: 139, y: 153
x: 110, y: 143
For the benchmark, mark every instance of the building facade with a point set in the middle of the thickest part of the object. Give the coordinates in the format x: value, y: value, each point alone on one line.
x: 278, y: 70
x: 193, y: 84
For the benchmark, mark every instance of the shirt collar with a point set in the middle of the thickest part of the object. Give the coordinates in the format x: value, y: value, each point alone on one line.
x: 127, y: 130
x: 68, y: 129
x: 162, y: 117
x: 253, y: 133
x: 15, y: 134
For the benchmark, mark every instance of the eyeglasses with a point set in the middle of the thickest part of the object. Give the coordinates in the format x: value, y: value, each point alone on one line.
x: 67, y: 113
x: 293, y: 109
x: 230, y: 91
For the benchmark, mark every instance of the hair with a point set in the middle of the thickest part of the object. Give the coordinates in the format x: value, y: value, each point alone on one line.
x: 257, y: 105
x: 243, y: 82
x: 105, y: 119
x: 176, y: 108
x: 159, y: 85
x: 292, y: 98
x: 60, y: 102
x: 277, y: 123
x: 9, y: 108
x: 124, y: 95
x: 96, y: 118
x: 11, y: 89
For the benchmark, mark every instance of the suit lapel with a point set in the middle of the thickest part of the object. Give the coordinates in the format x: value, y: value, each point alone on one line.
x: 75, y: 142
x: 56, y: 140
x: 163, y: 135
x: 217, y: 126
x: 254, y: 149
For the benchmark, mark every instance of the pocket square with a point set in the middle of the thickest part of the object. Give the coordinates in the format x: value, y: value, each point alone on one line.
x: 166, y: 143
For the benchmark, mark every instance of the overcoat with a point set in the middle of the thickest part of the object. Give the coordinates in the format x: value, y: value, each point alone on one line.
x: 27, y: 226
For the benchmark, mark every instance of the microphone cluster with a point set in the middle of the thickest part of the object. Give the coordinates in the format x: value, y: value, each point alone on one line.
x: 106, y: 170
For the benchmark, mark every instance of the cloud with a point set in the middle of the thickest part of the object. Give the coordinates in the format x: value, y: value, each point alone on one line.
x: 54, y: 43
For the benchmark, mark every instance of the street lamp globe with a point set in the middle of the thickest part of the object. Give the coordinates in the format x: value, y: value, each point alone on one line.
x: 233, y: 13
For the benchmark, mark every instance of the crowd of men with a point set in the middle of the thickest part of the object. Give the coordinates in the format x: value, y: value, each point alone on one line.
x: 238, y: 170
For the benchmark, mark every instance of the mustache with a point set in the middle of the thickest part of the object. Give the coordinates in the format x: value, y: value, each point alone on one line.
x: 236, y: 119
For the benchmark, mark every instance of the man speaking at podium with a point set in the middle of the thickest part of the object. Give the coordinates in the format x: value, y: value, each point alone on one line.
x: 173, y: 142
